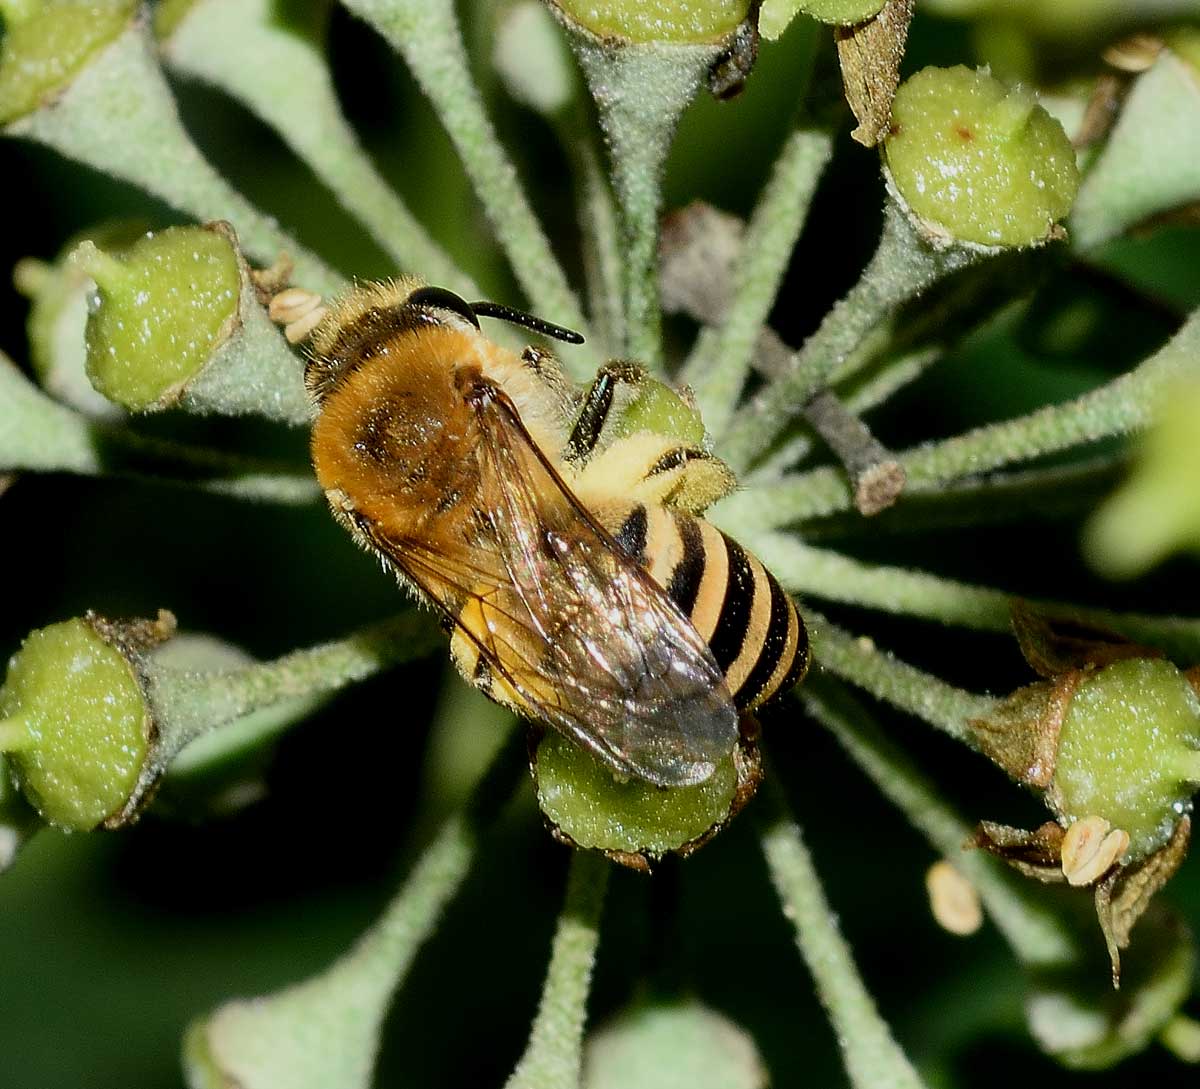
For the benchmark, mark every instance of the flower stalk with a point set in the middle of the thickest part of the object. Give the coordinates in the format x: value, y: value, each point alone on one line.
x: 720, y: 361
x: 873, y: 1058
x: 276, y: 68
x: 118, y: 116
x: 903, y: 266
x: 427, y: 35
x: 325, y: 1031
x: 641, y: 90
x: 554, y: 1055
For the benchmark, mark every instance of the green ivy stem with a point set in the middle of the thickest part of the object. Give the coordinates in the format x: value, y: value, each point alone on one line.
x: 869, y: 388
x: 1037, y: 934
x: 903, y: 266
x: 831, y: 576
x: 873, y: 1058
x: 1122, y: 405
x: 1048, y: 492
x: 641, y: 91
x: 769, y: 503
x: 38, y: 434
x: 602, y: 256
x: 118, y: 116
x: 325, y: 1031
x: 554, y: 1055
x: 278, y: 70
x: 1182, y: 1037
x: 426, y: 33
x: 188, y: 704
x: 858, y: 660
x: 720, y: 363
x: 861, y: 393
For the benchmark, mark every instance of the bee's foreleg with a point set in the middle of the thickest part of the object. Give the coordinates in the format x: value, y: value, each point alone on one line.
x: 597, y: 403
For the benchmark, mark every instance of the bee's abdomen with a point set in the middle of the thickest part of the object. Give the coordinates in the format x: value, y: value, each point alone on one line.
x: 749, y: 622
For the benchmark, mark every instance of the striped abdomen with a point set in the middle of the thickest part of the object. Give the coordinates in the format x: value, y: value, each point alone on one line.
x: 737, y: 606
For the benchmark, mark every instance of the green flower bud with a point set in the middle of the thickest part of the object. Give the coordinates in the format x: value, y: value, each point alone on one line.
x: 678, y: 21
x: 658, y: 408
x: 978, y: 163
x: 533, y: 60
x: 161, y: 310
x: 176, y: 320
x: 635, y: 822
x: 76, y: 720
x: 58, y: 315
x: 775, y: 15
x: 1157, y: 511
x: 662, y: 1045
x: 1129, y: 751
x: 45, y: 46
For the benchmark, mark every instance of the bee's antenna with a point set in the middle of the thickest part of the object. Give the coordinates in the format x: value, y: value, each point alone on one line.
x: 519, y: 317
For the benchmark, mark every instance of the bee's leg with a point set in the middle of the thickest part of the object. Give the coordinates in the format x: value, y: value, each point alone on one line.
x: 656, y: 470
x: 597, y: 403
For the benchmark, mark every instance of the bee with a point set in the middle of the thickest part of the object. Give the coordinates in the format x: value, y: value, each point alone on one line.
x: 579, y: 584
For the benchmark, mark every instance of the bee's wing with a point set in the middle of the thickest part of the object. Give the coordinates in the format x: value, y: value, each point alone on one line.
x: 590, y: 643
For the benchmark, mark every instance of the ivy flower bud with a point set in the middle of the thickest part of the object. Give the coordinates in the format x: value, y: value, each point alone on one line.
x: 76, y: 721
x: 976, y: 162
x: 533, y: 60
x: 678, y: 21
x: 44, y: 48
x: 635, y: 823
x: 176, y: 320
x: 1129, y: 751
x: 1112, y: 737
x: 1157, y: 511
x: 775, y: 15
x: 58, y: 294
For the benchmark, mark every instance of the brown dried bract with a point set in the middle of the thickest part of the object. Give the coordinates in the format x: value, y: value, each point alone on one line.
x: 870, y: 54
x: 1123, y: 897
x: 1036, y: 854
x: 1021, y: 732
x: 1054, y: 643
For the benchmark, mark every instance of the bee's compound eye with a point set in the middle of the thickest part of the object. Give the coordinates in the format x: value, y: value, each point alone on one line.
x: 441, y: 299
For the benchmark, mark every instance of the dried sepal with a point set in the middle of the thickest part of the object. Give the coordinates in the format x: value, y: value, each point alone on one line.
x: 1036, y: 854
x: 1056, y: 643
x: 1123, y: 897
x: 870, y: 54
x: 1020, y: 734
